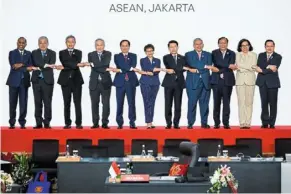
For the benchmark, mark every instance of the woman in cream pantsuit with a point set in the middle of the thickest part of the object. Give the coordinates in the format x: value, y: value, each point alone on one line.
x: 246, y: 62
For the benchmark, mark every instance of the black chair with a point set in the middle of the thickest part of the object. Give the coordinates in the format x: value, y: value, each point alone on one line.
x: 44, y: 155
x: 77, y: 144
x: 171, y: 147
x: 209, y: 147
x: 249, y: 146
x: 282, y: 147
x: 115, y: 147
x: 150, y: 144
x: 94, y: 151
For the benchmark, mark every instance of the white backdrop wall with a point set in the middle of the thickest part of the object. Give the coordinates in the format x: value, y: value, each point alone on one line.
x: 90, y: 19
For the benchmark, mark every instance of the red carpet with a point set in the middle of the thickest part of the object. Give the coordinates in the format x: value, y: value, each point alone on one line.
x: 18, y: 140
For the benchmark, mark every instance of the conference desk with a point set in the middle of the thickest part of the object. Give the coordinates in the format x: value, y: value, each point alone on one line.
x: 89, y: 175
x: 161, y: 186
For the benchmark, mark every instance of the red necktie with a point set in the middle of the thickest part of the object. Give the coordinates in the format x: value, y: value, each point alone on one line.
x: 126, y: 76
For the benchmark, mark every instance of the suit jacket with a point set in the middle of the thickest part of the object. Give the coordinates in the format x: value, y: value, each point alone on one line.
x: 15, y: 76
x: 147, y: 65
x: 193, y: 61
x: 99, y: 69
x: 246, y: 68
x: 71, y: 70
x: 39, y: 61
x: 223, y: 65
x: 177, y: 79
x: 126, y: 68
x: 268, y: 77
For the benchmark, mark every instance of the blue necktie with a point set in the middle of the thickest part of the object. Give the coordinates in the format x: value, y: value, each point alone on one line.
x: 40, y: 74
x: 21, y: 55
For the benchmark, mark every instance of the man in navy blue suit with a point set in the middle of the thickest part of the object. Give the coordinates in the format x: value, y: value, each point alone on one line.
x: 269, y: 83
x: 19, y: 82
x: 125, y: 82
x: 198, y: 83
x: 222, y: 82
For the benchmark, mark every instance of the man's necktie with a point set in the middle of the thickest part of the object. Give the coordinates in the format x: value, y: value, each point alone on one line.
x: 70, y: 52
x: 126, y: 75
x: 223, y: 55
x: 175, y: 59
x: 43, y: 55
x: 21, y: 55
x: 99, y: 56
x: 199, y: 56
x: 268, y: 57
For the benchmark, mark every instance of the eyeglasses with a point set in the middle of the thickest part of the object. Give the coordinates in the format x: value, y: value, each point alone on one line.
x: 246, y: 45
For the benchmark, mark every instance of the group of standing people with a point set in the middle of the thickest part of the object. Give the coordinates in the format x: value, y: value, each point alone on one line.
x: 204, y: 71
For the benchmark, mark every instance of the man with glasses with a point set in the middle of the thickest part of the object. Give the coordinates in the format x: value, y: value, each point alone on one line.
x: 100, y: 83
x: 43, y: 82
x: 71, y: 81
x: 269, y: 82
x: 19, y: 82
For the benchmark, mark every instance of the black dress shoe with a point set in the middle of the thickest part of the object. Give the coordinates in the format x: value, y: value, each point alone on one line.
x: 264, y: 126
x: 272, y: 127
x: 205, y: 126
x: 132, y: 127
x: 95, y: 126
x: 226, y: 127
x: 119, y: 127
x: 79, y: 127
x: 22, y: 127
x: 67, y: 127
x: 153, y: 127
x: 12, y: 127
x: 105, y: 126
x: 37, y: 127
x: 47, y: 126
x: 168, y: 127
x: 190, y: 127
x: 176, y: 127
x: 149, y: 127
x: 216, y: 127
x: 247, y: 127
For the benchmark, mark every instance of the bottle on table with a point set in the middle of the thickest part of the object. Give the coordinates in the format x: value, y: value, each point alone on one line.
x: 67, y: 150
x: 219, y: 151
x: 143, y: 151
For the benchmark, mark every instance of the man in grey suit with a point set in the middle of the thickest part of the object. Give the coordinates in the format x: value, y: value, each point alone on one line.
x: 100, y: 83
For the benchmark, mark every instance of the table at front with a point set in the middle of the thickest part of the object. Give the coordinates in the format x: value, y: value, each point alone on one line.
x: 88, y: 176
x: 161, y: 186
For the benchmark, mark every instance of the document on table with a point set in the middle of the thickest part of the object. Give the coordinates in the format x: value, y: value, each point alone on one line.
x: 163, y: 178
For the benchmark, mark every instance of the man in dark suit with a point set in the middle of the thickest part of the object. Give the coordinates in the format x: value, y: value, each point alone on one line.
x: 269, y: 82
x: 222, y: 82
x: 198, y: 83
x: 125, y: 82
x: 174, y: 83
x: 43, y: 82
x: 100, y: 83
x: 19, y: 82
x: 71, y: 81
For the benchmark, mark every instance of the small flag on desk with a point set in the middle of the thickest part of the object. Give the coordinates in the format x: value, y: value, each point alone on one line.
x: 114, y: 170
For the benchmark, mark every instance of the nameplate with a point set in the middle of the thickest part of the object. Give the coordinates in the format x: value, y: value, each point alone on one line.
x: 68, y: 159
x: 218, y: 159
x: 135, y: 178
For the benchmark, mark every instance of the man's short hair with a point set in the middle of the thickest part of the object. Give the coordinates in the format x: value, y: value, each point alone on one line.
x: 43, y: 37
x: 173, y: 42
x: 22, y: 38
x: 222, y: 38
x: 124, y: 41
x: 269, y: 40
x: 100, y: 39
x: 70, y: 36
x: 197, y: 39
